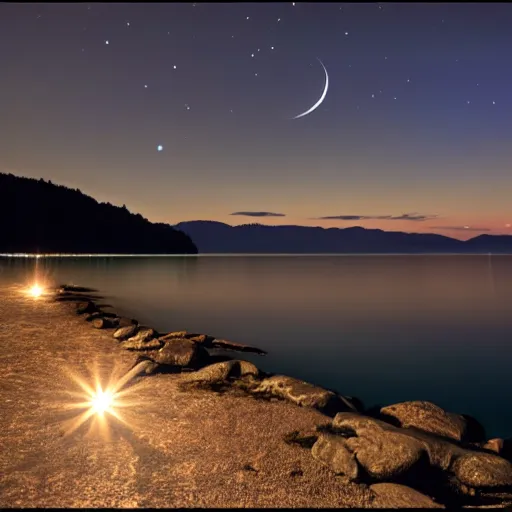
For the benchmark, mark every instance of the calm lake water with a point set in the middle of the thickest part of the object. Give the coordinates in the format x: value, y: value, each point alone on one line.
x: 382, y: 328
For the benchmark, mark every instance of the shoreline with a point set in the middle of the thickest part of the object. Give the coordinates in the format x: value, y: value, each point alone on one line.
x: 326, y: 439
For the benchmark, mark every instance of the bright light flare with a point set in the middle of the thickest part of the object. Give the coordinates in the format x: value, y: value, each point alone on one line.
x: 35, y: 291
x: 103, y: 404
x: 103, y: 401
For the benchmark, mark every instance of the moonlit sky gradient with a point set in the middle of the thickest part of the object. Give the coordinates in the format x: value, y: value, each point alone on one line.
x: 417, y: 119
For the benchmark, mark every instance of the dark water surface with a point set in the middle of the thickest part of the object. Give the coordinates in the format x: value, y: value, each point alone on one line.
x: 382, y: 328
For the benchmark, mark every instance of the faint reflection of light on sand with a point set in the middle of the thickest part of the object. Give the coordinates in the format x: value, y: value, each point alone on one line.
x: 102, y: 404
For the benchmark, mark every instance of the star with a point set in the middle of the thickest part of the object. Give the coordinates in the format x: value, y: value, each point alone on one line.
x: 346, y: 33
x: 174, y: 67
x: 271, y: 47
x: 106, y: 42
x: 145, y: 86
x: 127, y: 23
x: 247, y: 18
x: 255, y: 74
x: 468, y: 102
x: 373, y: 95
x: 494, y: 103
x: 159, y: 147
x: 408, y: 80
x: 252, y: 54
x: 187, y: 106
x: 278, y: 20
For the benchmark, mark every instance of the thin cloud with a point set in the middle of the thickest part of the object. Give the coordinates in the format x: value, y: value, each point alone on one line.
x: 460, y: 228
x: 259, y: 214
x: 416, y: 217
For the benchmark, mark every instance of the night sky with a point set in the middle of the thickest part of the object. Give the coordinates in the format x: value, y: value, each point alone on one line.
x: 185, y: 111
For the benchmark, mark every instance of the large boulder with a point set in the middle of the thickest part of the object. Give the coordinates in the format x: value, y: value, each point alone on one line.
x: 180, y: 352
x: 476, y: 469
x: 368, y: 433
x: 389, y: 495
x: 333, y: 451
x: 304, y: 394
x: 428, y: 417
x: 387, y: 452
x: 123, y: 333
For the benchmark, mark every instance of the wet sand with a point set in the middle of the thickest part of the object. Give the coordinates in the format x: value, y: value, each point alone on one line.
x: 174, y: 449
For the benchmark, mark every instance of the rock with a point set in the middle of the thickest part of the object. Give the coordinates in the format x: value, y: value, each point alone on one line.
x: 105, y: 323
x: 123, y: 333
x: 477, y: 469
x: 85, y: 307
x: 222, y: 372
x: 230, y: 345
x: 202, y: 339
x: 370, y: 432
x: 136, y: 344
x: 212, y: 374
x: 246, y: 368
x: 386, y: 451
x: 387, y: 455
x: 143, y: 335
x: 496, y: 445
x: 428, y: 417
x: 332, y: 451
x: 145, y: 364
x: 99, y: 314
x: 304, y: 394
x: 388, y: 495
x: 180, y: 352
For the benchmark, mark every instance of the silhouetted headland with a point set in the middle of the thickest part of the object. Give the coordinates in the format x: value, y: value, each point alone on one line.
x: 39, y: 217
x: 220, y: 238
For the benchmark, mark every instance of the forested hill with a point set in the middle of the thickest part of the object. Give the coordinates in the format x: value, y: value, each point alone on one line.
x: 39, y: 217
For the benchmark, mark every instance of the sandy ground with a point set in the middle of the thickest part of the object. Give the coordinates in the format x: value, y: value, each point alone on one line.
x: 172, y: 449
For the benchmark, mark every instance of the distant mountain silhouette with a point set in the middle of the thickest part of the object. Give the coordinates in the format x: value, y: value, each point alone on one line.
x: 217, y: 237
x: 40, y: 217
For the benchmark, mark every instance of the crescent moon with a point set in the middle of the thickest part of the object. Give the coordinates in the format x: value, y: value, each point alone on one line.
x: 324, y: 94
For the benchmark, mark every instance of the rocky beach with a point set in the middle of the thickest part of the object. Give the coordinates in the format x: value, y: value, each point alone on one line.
x: 202, y: 427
